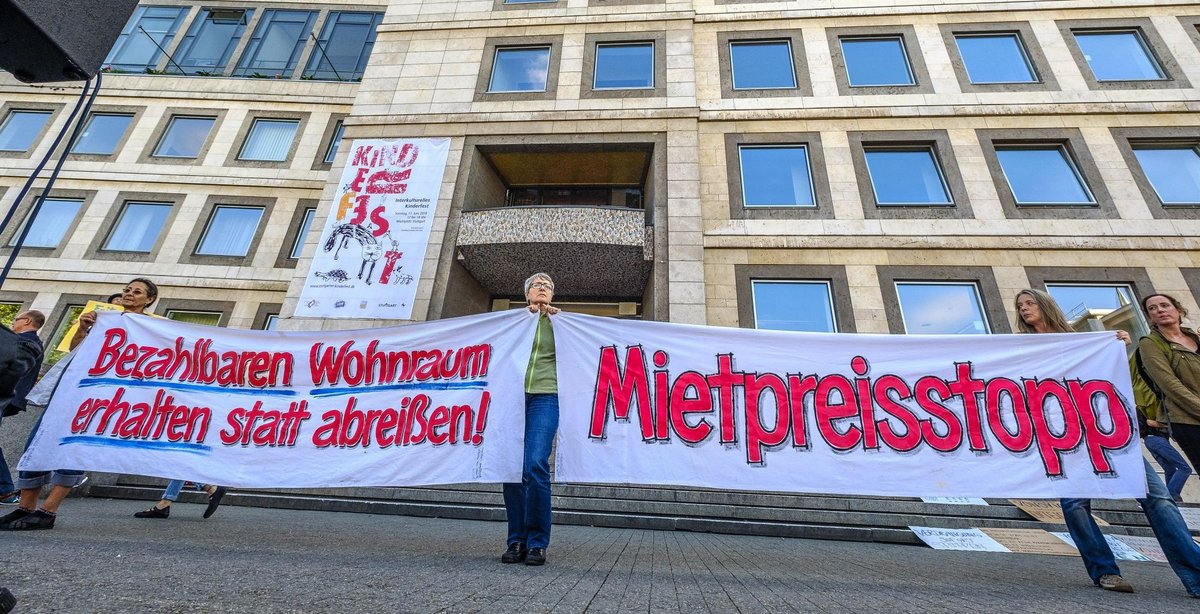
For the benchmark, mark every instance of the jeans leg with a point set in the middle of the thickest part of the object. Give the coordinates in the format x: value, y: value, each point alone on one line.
x: 173, y: 489
x: 1097, y: 556
x: 541, y: 424
x: 514, y: 511
x: 1169, y: 527
x: 1174, y: 466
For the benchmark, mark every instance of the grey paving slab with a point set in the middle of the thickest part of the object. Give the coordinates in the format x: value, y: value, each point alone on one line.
x: 100, y: 559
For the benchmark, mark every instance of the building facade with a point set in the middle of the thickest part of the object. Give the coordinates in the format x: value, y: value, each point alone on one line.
x: 840, y: 166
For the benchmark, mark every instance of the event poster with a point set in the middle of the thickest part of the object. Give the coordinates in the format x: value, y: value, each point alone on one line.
x: 428, y: 403
x: 1035, y: 416
x: 373, y: 244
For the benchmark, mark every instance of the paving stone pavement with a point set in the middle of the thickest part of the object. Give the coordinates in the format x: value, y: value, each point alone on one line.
x: 100, y: 559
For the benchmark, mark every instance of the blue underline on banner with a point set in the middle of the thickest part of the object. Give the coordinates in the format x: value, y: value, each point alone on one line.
x: 108, y: 442
x: 334, y: 392
x: 116, y: 381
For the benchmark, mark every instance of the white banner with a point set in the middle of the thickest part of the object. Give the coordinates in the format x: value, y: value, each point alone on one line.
x: 1039, y: 416
x: 373, y: 245
x: 431, y: 403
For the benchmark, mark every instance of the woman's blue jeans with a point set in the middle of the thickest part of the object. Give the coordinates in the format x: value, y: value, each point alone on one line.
x: 174, y: 487
x: 527, y: 504
x: 1182, y: 553
x: 1175, y: 467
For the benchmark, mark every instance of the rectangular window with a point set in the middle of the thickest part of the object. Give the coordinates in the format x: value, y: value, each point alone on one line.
x: 302, y: 233
x: 520, y: 69
x: 184, y: 137
x: 271, y: 321
x: 275, y: 47
x: 624, y: 66
x: 995, y: 58
x: 344, y: 46
x: 762, y: 65
x: 793, y: 305
x: 1091, y: 307
x: 1120, y: 55
x: 206, y: 318
x: 873, y: 62
x: 269, y: 140
x: 941, y: 308
x: 906, y: 176
x: 230, y: 231
x: 334, y: 141
x: 102, y: 134
x: 149, y: 31
x: 50, y: 226
x: 138, y: 227
x: 1043, y: 175
x: 1173, y: 171
x: 20, y: 128
x: 211, y: 40
x: 776, y: 176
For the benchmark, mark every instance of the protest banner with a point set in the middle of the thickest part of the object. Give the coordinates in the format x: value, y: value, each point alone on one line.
x: 373, y: 243
x: 431, y: 403
x: 1038, y: 416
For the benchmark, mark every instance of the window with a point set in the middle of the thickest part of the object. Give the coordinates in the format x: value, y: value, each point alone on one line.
x: 9, y: 312
x: 271, y: 321
x: 206, y: 318
x: 1118, y: 55
x: 184, y: 137
x: 334, y: 141
x: 1173, y: 170
x: 624, y: 66
x: 1091, y: 307
x: 102, y: 134
x: 1042, y: 174
x: 269, y: 140
x: 520, y: 69
x: 872, y: 62
x: 275, y: 47
x: 793, y: 305
x: 941, y: 308
x: 302, y: 233
x: 230, y: 231
x: 762, y: 65
x: 344, y: 46
x: 21, y: 128
x: 906, y: 176
x: 149, y: 31
x: 995, y: 58
x: 69, y: 317
x: 776, y: 176
x: 211, y: 40
x: 50, y: 226
x: 138, y: 227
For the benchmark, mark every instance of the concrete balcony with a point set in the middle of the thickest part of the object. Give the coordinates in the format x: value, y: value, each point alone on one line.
x: 590, y: 251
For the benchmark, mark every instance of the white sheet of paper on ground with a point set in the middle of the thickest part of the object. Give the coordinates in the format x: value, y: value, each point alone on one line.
x: 955, y: 500
x: 1121, y: 551
x: 957, y: 539
x: 1148, y: 546
x: 1191, y: 515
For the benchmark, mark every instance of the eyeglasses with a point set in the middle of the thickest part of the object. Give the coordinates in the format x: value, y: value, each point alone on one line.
x: 541, y: 284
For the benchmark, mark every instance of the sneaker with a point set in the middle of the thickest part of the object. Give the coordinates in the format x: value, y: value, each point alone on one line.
x: 154, y: 512
x: 537, y: 556
x: 214, y: 500
x: 33, y: 521
x: 515, y: 554
x: 1113, y: 582
x: 11, y: 498
x: 13, y: 515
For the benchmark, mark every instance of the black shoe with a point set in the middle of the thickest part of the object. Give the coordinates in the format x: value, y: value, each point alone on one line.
x: 154, y: 512
x: 214, y: 501
x: 13, y: 515
x: 515, y: 554
x: 537, y: 556
x: 31, y: 522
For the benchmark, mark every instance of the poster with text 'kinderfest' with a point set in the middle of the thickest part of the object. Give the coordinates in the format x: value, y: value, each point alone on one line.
x: 373, y: 244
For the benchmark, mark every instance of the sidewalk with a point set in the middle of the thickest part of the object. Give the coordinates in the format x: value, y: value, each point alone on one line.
x: 99, y: 558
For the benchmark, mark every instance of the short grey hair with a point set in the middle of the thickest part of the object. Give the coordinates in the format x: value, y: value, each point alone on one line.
x: 529, y: 282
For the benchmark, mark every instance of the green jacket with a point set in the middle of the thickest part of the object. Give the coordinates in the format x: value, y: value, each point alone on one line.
x: 1176, y: 375
x: 542, y: 375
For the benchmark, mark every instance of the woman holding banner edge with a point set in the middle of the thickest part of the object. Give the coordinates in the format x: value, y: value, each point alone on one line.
x: 527, y: 504
x: 1037, y: 312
